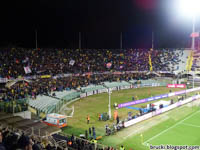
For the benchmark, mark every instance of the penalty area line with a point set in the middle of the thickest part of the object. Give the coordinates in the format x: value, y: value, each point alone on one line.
x: 191, y: 125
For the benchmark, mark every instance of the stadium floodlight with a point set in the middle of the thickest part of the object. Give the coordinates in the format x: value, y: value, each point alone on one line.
x: 190, y: 8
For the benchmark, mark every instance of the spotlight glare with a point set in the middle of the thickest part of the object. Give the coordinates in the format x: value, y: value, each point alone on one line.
x: 189, y: 7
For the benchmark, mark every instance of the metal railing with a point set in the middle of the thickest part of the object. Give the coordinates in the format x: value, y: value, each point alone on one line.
x: 14, y: 106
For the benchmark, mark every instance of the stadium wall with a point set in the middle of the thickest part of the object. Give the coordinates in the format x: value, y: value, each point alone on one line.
x: 24, y: 114
x: 117, y: 88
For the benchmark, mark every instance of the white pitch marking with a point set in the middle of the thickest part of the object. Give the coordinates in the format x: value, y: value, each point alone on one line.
x: 170, y: 127
x: 192, y: 125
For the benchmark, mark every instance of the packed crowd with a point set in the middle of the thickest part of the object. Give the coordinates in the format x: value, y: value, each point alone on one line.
x: 47, y: 86
x: 166, y: 58
x: 62, y: 61
x: 80, y: 143
x: 12, y: 140
x: 59, y: 61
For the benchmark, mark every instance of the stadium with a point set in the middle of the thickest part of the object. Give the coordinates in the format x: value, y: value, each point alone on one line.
x: 82, y: 98
x: 148, y: 105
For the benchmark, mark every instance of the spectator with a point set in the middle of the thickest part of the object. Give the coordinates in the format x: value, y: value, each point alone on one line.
x: 2, y: 147
x: 88, y: 119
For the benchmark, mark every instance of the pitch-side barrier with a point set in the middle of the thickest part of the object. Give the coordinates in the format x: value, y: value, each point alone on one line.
x: 160, y: 111
x: 157, y: 97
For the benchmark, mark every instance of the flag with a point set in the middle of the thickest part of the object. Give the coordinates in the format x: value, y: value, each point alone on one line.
x: 150, y: 63
x: 108, y: 65
x: 27, y: 70
x: 72, y: 62
x: 194, y: 34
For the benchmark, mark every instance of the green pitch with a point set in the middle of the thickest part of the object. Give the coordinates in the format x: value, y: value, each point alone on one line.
x: 184, y: 132
x: 180, y: 126
x: 153, y: 131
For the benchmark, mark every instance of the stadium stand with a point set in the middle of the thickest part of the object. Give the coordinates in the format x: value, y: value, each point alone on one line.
x: 18, y: 132
x: 43, y: 102
x: 55, y: 76
x: 44, y: 61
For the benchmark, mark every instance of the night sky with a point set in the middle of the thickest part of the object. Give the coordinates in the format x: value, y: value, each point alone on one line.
x: 100, y: 22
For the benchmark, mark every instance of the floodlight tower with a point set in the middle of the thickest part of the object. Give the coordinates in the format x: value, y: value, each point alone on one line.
x: 191, y: 8
x: 193, y: 31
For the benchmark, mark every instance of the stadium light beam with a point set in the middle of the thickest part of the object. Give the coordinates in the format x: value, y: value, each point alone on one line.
x: 190, y: 8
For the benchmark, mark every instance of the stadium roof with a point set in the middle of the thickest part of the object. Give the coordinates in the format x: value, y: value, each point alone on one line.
x: 29, y: 126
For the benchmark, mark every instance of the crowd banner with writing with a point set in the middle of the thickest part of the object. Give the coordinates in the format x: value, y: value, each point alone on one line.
x: 114, y: 88
x: 4, y: 80
x: 102, y: 91
x: 124, y: 87
x: 117, y: 72
x: 89, y: 93
x: 176, y: 85
x: 82, y: 95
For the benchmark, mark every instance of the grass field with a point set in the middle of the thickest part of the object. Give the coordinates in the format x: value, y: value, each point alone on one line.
x: 161, y: 129
x: 185, y: 131
x: 177, y: 127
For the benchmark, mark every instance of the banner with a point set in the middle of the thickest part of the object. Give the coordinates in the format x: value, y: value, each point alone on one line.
x: 150, y: 63
x: 3, y: 80
x: 92, y: 73
x: 117, y: 72
x: 89, y: 93
x: 45, y: 76
x: 176, y: 85
x: 124, y: 87
x: 108, y: 65
x: 72, y: 62
x: 160, y: 111
x: 194, y: 34
x: 27, y: 70
x: 82, y: 95
x: 102, y: 90
x: 157, y: 97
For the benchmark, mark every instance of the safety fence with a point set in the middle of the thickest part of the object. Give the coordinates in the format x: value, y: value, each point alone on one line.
x: 14, y: 106
x: 162, y: 110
